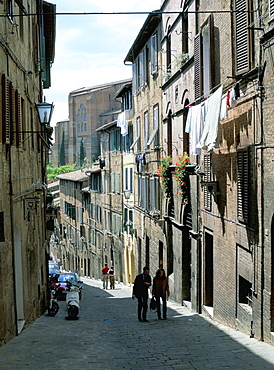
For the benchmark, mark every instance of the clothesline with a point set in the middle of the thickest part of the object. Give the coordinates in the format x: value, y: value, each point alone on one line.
x: 225, y: 90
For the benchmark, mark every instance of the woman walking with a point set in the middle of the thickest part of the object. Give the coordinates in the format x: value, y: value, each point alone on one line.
x: 160, y: 289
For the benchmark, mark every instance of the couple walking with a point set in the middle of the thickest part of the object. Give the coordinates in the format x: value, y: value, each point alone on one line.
x: 160, y: 289
x: 108, y: 274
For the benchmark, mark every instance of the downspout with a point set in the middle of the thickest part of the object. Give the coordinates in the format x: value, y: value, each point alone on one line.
x: 8, y: 148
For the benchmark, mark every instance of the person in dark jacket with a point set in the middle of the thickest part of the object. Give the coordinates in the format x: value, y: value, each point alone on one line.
x: 160, y: 289
x: 140, y: 291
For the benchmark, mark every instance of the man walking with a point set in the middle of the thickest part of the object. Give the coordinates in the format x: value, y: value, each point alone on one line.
x: 105, y: 276
x: 140, y: 291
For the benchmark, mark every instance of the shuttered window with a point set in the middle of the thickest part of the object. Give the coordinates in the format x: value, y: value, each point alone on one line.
x: 207, y: 178
x: 154, y: 194
x: 204, y: 60
x: 6, y: 111
x: 18, y: 128
x: 153, y: 54
x: 242, y: 36
x: 243, y: 185
x: 143, y: 192
x: 198, y: 65
x: 146, y: 128
x: 271, y: 8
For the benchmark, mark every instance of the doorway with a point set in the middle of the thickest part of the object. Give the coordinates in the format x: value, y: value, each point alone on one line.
x: 208, y: 271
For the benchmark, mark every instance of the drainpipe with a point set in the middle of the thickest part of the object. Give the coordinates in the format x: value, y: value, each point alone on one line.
x: 8, y: 148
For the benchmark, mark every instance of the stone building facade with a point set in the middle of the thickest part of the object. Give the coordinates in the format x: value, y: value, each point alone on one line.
x: 89, y: 108
x: 144, y: 203
x: 24, y: 70
x: 202, y: 102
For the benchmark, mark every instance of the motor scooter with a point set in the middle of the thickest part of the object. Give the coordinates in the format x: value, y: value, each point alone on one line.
x: 72, y: 300
x: 53, y: 307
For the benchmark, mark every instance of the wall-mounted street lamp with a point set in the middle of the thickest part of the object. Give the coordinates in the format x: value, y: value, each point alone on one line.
x: 44, y: 111
x: 127, y: 193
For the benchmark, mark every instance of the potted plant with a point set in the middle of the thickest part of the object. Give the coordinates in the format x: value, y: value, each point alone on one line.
x: 165, y: 175
x: 182, y: 178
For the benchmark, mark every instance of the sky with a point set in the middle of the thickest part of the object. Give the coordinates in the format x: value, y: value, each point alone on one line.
x: 90, y: 49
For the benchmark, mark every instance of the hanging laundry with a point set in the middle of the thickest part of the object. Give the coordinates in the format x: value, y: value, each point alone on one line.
x: 223, y: 112
x: 194, y: 126
x: 140, y: 160
x: 228, y: 98
x: 237, y: 90
x: 209, y: 139
x: 232, y: 100
x: 102, y: 163
x: 122, y: 122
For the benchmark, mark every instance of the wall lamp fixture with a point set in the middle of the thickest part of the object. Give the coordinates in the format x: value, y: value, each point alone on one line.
x: 44, y: 111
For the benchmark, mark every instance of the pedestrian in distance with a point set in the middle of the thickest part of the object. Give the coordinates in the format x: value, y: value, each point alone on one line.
x: 111, y: 277
x: 105, y: 270
x: 160, y: 289
x: 140, y: 290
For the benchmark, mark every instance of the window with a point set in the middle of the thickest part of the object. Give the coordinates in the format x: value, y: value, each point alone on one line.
x: 155, y: 133
x: 154, y: 193
x: 243, y: 185
x: 204, y: 60
x: 243, y: 36
x: 98, y: 213
x: 6, y: 111
x: 127, y: 140
x: 95, y: 182
x: 138, y: 132
x: 139, y: 71
x: 128, y: 178
x: 154, y: 54
x: 271, y: 8
x: 127, y: 100
x: 207, y: 177
x: 115, y: 138
x: 143, y: 192
x: 118, y: 183
x: 146, y: 127
x: 168, y: 53
x: 185, y: 33
x: 128, y: 220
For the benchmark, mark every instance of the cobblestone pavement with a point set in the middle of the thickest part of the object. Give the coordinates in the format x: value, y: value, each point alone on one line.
x: 108, y: 335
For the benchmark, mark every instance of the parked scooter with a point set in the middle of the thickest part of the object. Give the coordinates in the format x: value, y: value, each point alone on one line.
x: 53, y: 307
x: 72, y: 300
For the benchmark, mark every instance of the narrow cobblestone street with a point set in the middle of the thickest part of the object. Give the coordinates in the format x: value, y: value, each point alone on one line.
x: 108, y: 335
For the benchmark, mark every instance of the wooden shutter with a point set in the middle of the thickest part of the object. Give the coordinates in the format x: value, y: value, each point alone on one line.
x: 242, y: 36
x: 153, y: 54
x: 18, y: 126
x: 243, y: 185
x: 207, y: 177
x: 271, y: 8
x: 134, y: 78
x: 6, y: 112
x: 208, y: 57
x: 198, y: 59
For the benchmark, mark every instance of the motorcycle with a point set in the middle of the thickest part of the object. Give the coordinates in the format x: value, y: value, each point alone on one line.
x: 53, y: 307
x: 72, y: 300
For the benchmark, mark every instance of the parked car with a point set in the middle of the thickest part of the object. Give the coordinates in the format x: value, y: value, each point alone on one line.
x: 53, y: 269
x: 59, y: 282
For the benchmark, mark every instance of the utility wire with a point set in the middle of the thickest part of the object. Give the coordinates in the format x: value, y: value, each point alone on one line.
x: 134, y: 13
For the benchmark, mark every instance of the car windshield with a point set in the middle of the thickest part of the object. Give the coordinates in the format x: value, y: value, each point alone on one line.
x: 64, y: 278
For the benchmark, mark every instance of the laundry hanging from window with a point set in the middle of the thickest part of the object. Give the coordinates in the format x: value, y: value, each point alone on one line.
x: 122, y: 122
